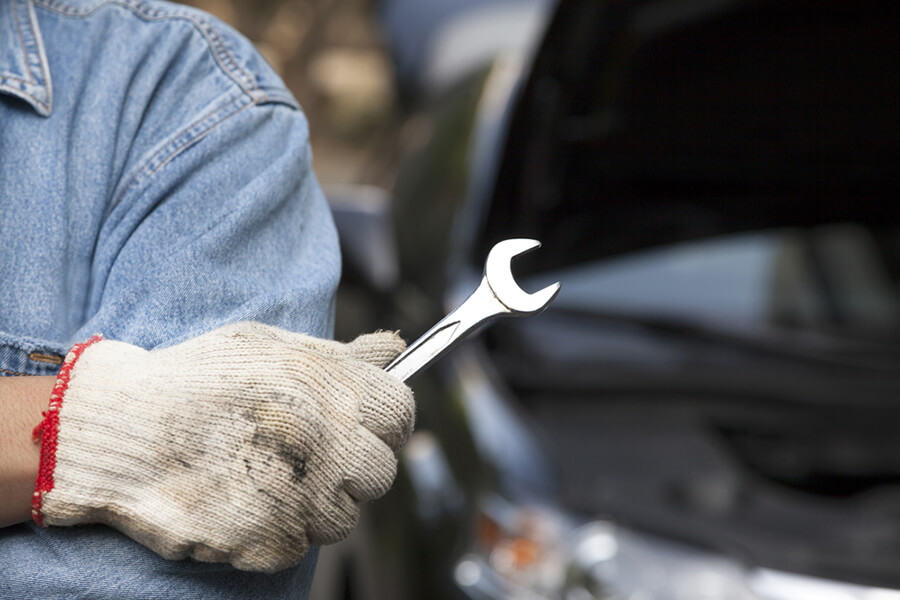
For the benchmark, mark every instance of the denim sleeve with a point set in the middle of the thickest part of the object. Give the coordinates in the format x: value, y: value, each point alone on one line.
x: 169, y: 192
x: 224, y: 222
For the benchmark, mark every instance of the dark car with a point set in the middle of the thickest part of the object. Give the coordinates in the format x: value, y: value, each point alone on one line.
x: 711, y: 407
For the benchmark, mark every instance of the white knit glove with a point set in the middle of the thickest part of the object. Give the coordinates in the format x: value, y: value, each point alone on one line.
x: 244, y: 445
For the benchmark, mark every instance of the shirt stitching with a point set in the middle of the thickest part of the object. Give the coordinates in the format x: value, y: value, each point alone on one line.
x: 10, y: 372
x: 219, y: 51
x: 53, y: 359
x: 30, y: 80
x: 193, y: 139
x: 14, y: 78
x: 140, y: 172
x: 174, y: 147
x: 15, y: 11
x: 44, y: 76
x: 215, y: 224
x: 20, y: 92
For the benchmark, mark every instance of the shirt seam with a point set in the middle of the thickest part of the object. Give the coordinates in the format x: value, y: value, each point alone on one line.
x: 15, y: 10
x: 172, y: 147
x: 17, y: 355
x: 181, y: 140
x: 45, y: 78
x: 220, y: 53
x: 28, y: 63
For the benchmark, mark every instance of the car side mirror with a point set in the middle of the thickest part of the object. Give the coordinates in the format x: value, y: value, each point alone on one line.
x: 363, y: 220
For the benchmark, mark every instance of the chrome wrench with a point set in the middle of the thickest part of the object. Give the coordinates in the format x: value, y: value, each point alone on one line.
x: 498, y: 295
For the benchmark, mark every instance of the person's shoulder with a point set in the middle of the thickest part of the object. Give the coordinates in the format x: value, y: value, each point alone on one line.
x: 180, y: 40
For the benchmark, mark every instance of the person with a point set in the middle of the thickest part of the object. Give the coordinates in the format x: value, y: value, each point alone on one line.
x: 156, y: 188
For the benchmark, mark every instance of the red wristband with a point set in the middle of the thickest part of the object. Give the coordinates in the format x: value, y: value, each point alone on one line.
x: 46, y: 430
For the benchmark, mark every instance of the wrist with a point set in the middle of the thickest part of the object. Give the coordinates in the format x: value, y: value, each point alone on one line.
x: 21, y: 401
x: 47, y: 431
x: 111, y: 411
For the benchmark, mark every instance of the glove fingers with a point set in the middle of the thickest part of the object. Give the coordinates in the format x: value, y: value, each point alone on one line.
x: 266, y: 556
x: 262, y: 335
x: 377, y: 349
x: 388, y: 409
x: 335, y: 516
x: 373, y: 468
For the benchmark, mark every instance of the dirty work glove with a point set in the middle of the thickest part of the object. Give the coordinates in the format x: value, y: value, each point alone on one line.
x: 244, y: 445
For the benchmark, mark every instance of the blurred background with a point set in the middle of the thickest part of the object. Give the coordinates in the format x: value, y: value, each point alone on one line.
x: 334, y: 58
x: 709, y: 410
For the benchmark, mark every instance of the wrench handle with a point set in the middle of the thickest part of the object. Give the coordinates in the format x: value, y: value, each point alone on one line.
x: 481, y: 306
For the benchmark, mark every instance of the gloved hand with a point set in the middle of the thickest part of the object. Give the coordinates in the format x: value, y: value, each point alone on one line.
x: 244, y: 445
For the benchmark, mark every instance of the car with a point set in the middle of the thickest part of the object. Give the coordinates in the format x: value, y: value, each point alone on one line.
x: 710, y: 408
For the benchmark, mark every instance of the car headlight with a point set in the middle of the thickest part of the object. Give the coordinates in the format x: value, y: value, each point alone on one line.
x: 519, y: 553
x: 538, y: 553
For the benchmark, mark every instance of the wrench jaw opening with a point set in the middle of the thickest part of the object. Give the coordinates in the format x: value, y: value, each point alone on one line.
x: 498, y: 274
x: 498, y: 295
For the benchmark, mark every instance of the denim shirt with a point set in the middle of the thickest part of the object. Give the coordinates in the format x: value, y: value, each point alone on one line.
x: 155, y: 183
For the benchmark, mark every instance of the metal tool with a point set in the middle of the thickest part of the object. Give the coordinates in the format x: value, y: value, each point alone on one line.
x: 498, y: 295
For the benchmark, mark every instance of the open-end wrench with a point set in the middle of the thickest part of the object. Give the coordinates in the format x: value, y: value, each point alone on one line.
x: 498, y: 295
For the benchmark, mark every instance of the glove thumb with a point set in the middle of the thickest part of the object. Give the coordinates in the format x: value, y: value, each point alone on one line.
x: 378, y: 348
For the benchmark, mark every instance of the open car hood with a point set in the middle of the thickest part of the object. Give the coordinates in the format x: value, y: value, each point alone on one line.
x: 649, y: 123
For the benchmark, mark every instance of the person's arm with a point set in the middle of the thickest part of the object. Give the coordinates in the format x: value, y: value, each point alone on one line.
x: 22, y: 399
x: 245, y: 445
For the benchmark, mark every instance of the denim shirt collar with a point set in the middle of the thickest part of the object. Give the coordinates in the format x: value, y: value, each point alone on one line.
x: 24, y: 71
